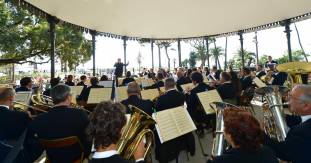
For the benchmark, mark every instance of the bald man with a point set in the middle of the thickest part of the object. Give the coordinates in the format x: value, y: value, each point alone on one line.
x: 133, y: 92
x: 296, y: 147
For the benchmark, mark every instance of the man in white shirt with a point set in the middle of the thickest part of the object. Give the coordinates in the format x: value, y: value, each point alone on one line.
x: 296, y: 147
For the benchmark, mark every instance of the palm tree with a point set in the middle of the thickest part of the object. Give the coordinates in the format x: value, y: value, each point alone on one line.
x: 248, y: 56
x: 200, y: 51
x: 216, y: 53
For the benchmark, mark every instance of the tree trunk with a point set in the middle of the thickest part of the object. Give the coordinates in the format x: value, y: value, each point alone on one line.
x: 159, y: 50
x: 216, y: 57
x: 65, y: 66
x: 168, y: 59
x: 226, y: 54
x: 300, y: 44
x: 218, y: 63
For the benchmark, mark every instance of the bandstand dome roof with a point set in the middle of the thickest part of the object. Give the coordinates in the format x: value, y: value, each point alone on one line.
x: 165, y: 19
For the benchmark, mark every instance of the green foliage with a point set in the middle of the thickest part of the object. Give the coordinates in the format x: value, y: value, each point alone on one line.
x: 216, y: 52
x: 200, y: 51
x: 192, y: 59
x: 185, y: 63
x: 297, y: 55
x: 263, y: 59
x: 25, y: 38
x: 249, y: 58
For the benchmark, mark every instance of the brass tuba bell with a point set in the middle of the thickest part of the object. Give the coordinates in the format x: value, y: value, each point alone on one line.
x: 294, y: 70
x: 134, y: 132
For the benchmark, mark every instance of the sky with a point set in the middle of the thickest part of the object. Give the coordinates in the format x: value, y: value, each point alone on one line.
x: 270, y: 42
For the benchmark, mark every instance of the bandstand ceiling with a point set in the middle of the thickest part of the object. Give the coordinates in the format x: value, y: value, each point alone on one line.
x: 161, y: 19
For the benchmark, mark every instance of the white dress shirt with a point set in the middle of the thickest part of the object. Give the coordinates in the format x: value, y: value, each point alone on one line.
x: 5, y: 106
x: 106, y: 154
x: 305, y: 118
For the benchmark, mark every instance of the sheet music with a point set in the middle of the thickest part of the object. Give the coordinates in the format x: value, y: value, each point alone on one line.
x: 162, y: 89
x: 75, y: 91
x: 187, y: 86
x: 23, y: 97
x: 121, y: 93
x: 208, y: 97
x: 259, y: 83
x: 149, y: 94
x: 150, y: 81
x: 107, y: 83
x: 98, y: 95
x: 172, y: 123
x: 120, y: 81
x: 144, y: 83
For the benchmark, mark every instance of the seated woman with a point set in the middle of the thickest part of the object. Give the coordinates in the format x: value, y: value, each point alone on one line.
x: 243, y: 134
x: 106, y: 123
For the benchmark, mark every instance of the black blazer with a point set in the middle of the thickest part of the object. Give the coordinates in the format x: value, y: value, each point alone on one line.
x: 246, y: 82
x: 113, y: 159
x: 279, y: 78
x: 226, y: 91
x: 264, y: 155
x: 156, y: 85
x: 12, y: 125
x: 260, y: 74
x: 70, y: 83
x: 181, y: 81
x: 62, y: 122
x: 22, y: 89
x: 193, y: 103
x: 144, y: 105
x: 170, y: 99
x: 86, y: 92
x: 81, y: 84
x: 127, y: 80
x: 296, y: 147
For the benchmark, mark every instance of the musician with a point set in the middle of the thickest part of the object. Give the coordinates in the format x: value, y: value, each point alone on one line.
x: 85, y: 92
x: 82, y: 82
x: 215, y: 73
x: 172, y: 98
x: 226, y: 89
x: 53, y: 83
x: 279, y: 78
x: 103, y: 78
x: 296, y: 147
x: 242, y: 132
x: 12, y: 125
x: 128, y: 78
x: 169, y: 150
x: 60, y: 122
x: 119, y: 68
x: 260, y: 71
x: 271, y: 63
x: 246, y: 79
x: 106, y: 123
x: 159, y: 82
x: 194, y: 106
x: 69, y: 81
x: 26, y: 85
x: 206, y: 71
x: 133, y: 92
x: 181, y: 79
x: 151, y: 74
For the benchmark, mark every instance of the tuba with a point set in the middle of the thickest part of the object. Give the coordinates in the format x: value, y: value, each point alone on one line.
x: 219, y: 140
x: 19, y: 106
x: 295, y: 71
x: 274, y: 122
x: 40, y: 100
x: 136, y: 130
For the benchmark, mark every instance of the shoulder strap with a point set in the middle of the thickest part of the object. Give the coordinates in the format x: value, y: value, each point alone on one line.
x: 10, y: 157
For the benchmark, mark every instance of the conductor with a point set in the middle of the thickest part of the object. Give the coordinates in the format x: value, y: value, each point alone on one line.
x: 119, y: 69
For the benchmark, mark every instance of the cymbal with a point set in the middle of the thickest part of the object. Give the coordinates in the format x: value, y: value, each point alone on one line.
x: 295, y: 67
